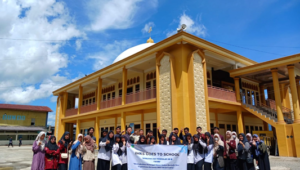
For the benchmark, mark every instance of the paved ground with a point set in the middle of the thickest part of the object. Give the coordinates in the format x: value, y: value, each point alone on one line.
x: 20, y: 159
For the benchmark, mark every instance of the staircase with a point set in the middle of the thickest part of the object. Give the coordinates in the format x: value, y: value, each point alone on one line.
x: 266, y: 112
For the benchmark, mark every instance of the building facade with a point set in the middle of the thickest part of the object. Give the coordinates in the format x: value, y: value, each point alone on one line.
x: 22, y: 121
x: 185, y: 81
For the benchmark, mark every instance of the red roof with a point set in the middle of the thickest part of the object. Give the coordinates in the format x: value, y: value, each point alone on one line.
x: 25, y: 107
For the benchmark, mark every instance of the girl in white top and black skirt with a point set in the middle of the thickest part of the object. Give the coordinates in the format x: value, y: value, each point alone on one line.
x: 198, y: 151
x: 116, y: 161
x: 208, y: 151
x: 190, y: 155
x: 123, y: 152
x: 104, y: 153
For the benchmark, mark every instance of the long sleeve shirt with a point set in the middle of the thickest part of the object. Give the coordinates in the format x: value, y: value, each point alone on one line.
x: 115, y: 157
x: 102, y: 153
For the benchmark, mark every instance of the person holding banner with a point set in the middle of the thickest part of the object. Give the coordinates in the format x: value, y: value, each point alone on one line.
x: 104, y: 153
x: 219, y: 163
x: 208, y: 151
x: 198, y: 150
x: 123, y: 152
x: 142, y: 140
x: 190, y: 155
x: 162, y: 140
x: 174, y: 140
x: 116, y: 162
x: 175, y: 131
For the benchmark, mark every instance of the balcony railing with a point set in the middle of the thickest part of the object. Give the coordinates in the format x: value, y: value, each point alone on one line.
x: 141, y: 95
x: 71, y: 112
x: 88, y: 108
x: 111, y: 103
x: 221, y: 93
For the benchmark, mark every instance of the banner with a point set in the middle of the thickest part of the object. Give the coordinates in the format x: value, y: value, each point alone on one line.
x: 158, y: 157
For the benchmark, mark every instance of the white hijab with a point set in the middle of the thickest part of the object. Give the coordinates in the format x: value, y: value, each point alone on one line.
x: 220, y: 142
x: 79, y: 148
x: 38, y: 140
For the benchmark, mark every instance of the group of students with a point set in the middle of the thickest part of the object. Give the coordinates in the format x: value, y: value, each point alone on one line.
x: 204, y: 150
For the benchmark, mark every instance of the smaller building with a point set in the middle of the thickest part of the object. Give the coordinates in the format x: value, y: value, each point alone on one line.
x: 22, y: 121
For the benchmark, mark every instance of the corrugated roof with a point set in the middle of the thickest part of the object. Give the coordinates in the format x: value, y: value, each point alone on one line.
x: 25, y: 107
x: 21, y: 128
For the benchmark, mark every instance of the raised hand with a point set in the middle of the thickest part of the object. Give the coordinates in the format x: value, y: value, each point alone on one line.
x: 107, y: 142
x: 122, y: 131
x: 63, y: 142
x: 40, y: 143
x: 189, y: 141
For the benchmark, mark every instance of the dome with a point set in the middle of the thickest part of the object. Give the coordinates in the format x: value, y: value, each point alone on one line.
x: 132, y: 51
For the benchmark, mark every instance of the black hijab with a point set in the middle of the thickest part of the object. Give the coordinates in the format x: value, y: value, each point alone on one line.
x: 103, y: 138
x: 52, y: 146
x: 152, y: 137
x: 185, y: 141
x: 176, y: 141
x: 67, y: 141
x: 197, y: 148
x: 211, y: 140
x: 240, y: 146
x: 165, y: 141
x: 140, y: 142
x: 120, y: 152
x: 109, y: 146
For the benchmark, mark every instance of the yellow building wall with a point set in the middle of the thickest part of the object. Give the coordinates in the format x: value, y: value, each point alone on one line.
x: 40, y: 118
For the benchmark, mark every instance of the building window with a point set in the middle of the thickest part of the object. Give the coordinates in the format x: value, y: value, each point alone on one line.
x: 83, y: 102
x: 108, y: 96
x: 94, y: 100
x: 104, y: 97
x: 260, y: 128
x: 137, y: 88
x: 32, y: 121
x: 113, y: 95
x: 120, y: 93
x: 229, y: 127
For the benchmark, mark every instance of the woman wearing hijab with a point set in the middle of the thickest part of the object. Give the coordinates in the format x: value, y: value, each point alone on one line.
x: 52, y: 153
x: 198, y: 151
x: 116, y: 161
x: 208, y: 151
x: 152, y: 140
x: 64, y: 145
x: 76, y: 156
x: 104, y: 153
x: 260, y: 153
x: 123, y: 152
x: 229, y: 152
x: 142, y: 140
x: 190, y: 155
x: 250, y: 165
x: 162, y: 140
x: 219, y: 163
x: 38, y: 148
x: 88, y: 149
x: 174, y: 140
x: 243, y: 152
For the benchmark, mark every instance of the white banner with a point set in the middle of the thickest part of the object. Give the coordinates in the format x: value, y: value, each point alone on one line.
x: 158, y: 157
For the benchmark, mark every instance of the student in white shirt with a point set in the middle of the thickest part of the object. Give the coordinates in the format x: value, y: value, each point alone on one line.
x: 190, y: 155
x: 104, y: 153
x: 116, y: 162
x: 123, y: 152
x: 198, y: 150
x: 208, y: 151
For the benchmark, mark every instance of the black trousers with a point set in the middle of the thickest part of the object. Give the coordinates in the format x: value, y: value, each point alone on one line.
x: 10, y: 144
x: 62, y: 166
x: 263, y: 162
x: 242, y: 164
x: 20, y: 144
x: 116, y: 167
x: 124, y: 167
x: 190, y: 166
x: 230, y: 164
x: 103, y: 164
x: 207, y: 166
x: 199, y: 164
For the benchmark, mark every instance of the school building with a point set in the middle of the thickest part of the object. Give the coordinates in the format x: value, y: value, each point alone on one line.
x: 22, y: 121
x: 185, y: 81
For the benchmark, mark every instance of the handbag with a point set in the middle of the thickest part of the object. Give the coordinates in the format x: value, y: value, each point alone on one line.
x: 221, y: 161
x: 64, y: 155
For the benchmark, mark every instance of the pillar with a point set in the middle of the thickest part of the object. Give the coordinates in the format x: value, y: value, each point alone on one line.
x: 216, y: 118
x: 99, y: 93
x: 294, y: 93
x: 262, y: 94
x: 79, y: 99
x: 77, y: 128
x: 237, y: 89
x: 298, y: 89
x: 124, y: 88
x: 240, y: 123
x: 283, y: 95
x: 61, y: 124
x: 142, y: 121
x: 123, y: 121
x: 280, y: 118
x: 96, y: 133
x: 65, y: 103
x: 116, y: 123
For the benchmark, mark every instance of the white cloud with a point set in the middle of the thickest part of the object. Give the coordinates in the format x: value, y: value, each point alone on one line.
x: 108, y: 53
x: 29, y: 68
x: 193, y: 27
x: 51, y: 118
x: 147, y: 26
x: 78, y: 44
x: 116, y: 14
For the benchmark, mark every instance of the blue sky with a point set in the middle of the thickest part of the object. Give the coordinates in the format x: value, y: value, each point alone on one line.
x: 47, y: 44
